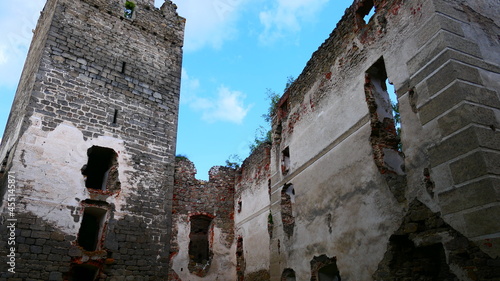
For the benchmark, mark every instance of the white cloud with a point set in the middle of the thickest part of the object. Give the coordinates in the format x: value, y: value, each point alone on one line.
x: 189, y: 87
x: 226, y: 106
x: 209, y: 22
x: 284, y: 18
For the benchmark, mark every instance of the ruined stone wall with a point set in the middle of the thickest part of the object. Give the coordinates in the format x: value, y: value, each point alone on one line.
x: 97, y: 85
x: 194, y: 202
x: 253, y: 221
x: 348, y: 191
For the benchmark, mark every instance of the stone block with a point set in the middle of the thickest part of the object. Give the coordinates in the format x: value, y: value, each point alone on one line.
x: 463, y: 142
x: 444, y: 7
x: 449, y: 73
x: 475, y: 165
x: 56, y: 276
x: 471, y: 195
x: 436, y: 23
x: 490, y: 246
x: 483, y: 222
x: 453, y: 147
x: 454, y: 94
x: 437, y: 44
x: 466, y: 114
x: 40, y: 234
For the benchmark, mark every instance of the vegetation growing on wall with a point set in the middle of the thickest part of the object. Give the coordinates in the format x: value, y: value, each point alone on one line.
x: 263, y: 133
x: 129, y: 9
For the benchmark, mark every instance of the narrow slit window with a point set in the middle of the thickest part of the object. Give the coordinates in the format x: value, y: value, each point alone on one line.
x: 285, y: 161
x: 101, y: 170
x: 239, y: 206
x: 91, y: 229
x: 269, y: 187
x: 124, y: 65
x: 287, y: 200
x: 129, y: 9
x: 115, y: 116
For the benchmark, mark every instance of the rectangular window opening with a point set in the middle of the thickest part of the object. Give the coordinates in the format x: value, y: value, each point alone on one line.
x: 285, y: 161
x: 129, y: 9
x: 101, y: 170
x: 124, y: 65
x: 90, y: 232
x: 115, y: 116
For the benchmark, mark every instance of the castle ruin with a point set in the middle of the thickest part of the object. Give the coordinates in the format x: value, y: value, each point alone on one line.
x: 342, y: 192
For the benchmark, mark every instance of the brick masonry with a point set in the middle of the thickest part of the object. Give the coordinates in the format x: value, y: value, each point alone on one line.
x: 95, y: 78
x: 367, y: 203
x: 213, y: 199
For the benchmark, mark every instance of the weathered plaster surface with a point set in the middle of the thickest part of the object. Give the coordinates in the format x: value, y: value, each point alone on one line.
x: 223, y: 264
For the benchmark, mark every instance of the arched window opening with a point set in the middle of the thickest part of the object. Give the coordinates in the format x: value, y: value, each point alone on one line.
x: 288, y: 275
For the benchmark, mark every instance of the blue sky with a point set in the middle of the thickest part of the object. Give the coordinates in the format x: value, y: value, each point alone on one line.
x: 234, y: 50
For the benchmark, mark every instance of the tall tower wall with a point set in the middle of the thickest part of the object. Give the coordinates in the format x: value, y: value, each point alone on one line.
x: 88, y: 152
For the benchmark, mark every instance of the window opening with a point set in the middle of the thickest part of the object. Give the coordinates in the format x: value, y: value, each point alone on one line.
x: 84, y: 272
x: 324, y: 268
x: 101, y: 170
x: 328, y: 273
x: 383, y: 114
x: 124, y: 65
x: 199, y: 246
x: 430, y: 260
x: 287, y: 198
x: 239, y: 206
x: 285, y: 161
x: 129, y: 9
x: 366, y: 11
x: 269, y: 187
x: 115, y: 116
x: 393, y: 99
x: 91, y: 228
x: 240, y: 260
x: 288, y: 275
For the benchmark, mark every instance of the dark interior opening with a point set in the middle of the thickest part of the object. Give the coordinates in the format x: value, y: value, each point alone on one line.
x: 98, y: 168
x: 329, y: 273
x: 324, y: 268
x: 84, y: 272
x: 115, y: 116
x: 287, y: 218
x: 288, y: 275
x: 91, y: 228
x: 285, y: 161
x: 419, y: 263
x: 199, y: 245
x: 366, y: 10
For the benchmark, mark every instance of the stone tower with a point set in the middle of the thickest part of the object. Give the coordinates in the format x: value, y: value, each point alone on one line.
x: 88, y: 152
